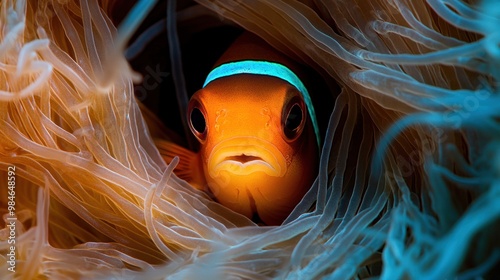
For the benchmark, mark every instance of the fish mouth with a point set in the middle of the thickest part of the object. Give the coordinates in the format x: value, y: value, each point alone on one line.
x: 244, y: 158
x: 246, y: 155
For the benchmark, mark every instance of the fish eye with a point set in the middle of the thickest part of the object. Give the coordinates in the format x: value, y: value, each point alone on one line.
x: 198, y: 123
x: 293, y: 121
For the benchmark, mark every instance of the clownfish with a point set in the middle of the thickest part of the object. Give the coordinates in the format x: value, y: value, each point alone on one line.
x: 258, y: 134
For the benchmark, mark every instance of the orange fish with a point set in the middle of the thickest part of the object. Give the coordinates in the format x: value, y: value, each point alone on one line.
x: 257, y: 131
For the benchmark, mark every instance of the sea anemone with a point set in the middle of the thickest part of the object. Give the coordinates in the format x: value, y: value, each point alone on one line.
x: 408, y: 184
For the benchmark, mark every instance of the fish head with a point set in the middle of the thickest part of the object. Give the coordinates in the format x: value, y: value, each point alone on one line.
x: 257, y: 144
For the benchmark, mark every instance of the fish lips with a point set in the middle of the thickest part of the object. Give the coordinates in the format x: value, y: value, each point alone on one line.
x: 246, y: 155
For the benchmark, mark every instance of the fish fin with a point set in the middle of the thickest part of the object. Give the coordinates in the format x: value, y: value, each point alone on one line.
x: 189, y: 168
